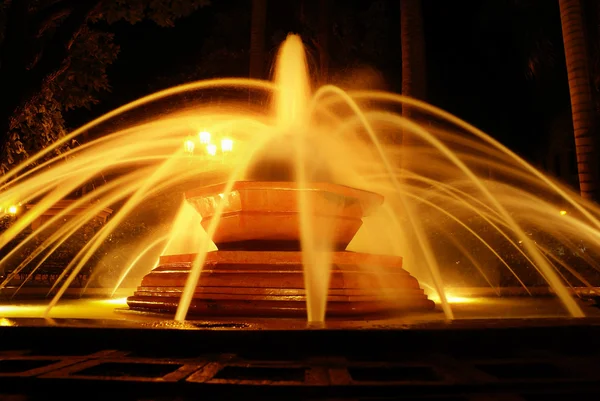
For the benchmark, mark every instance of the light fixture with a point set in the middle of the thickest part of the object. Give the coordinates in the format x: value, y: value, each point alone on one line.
x: 189, y: 146
x: 204, y: 137
x: 563, y: 212
x: 12, y: 209
x: 211, y: 149
x: 226, y: 145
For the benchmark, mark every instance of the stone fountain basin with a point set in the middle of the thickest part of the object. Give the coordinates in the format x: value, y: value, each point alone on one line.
x: 256, y: 211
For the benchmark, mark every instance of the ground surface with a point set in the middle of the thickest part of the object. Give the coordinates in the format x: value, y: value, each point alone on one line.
x: 463, y: 308
x: 497, y: 349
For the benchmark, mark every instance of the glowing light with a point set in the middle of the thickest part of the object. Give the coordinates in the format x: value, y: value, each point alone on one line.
x: 12, y: 209
x: 226, y: 145
x: 453, y: 299
x: 189, y: 146
x: 6, y: 323
x: 114, y: 301
x: 20, y: 310
x: 204, y: 137
x: 211, y: 149
x: 563, y: 212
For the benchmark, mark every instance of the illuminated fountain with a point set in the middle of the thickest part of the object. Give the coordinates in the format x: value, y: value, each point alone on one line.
x: 259, y: 269
x: 282, y: 237
x: 310, y: 208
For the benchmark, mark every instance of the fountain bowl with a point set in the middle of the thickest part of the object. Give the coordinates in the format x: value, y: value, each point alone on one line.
x: 266, y: 215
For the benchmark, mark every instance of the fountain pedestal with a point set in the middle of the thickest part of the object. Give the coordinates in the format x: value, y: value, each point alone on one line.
x: 271, y: 284
x: 258, y: 269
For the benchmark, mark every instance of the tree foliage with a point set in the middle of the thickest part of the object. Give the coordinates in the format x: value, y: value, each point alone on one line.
x: 360, y: 35
x: 531, y: 33
x: 54, y: 56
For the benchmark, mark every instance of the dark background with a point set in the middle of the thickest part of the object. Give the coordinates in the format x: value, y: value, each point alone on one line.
x: 478, y: 56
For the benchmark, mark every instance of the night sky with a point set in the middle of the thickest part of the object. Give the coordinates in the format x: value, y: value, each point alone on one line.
x: 476, y: 61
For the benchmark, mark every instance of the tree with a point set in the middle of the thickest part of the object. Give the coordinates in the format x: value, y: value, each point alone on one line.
x: 343, y: 43
x: 530, y: 32
x: 582, y: 103
x: 344, y: 47
x: 412, y: 41
x: 413, y: 50
x: 224, y: 53
x: 53, y: 57
x: 323, y: 39
x: 257, y: 39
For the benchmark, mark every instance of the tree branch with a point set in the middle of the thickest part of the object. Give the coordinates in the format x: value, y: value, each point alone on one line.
x: 18, y: 84
x: 43, y: 18
x: 56, y: 53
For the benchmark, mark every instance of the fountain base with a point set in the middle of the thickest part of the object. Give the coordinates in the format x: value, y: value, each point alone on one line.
x: 271, y: 284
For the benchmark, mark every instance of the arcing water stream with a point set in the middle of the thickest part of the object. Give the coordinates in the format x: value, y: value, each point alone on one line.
x: 463, y: 210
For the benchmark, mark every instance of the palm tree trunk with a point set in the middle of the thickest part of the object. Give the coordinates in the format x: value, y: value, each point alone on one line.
x: 323, y: 40
x: 257, y: 39
x: 413, y: 66
x: 582, y: 103
x: 413, y: 49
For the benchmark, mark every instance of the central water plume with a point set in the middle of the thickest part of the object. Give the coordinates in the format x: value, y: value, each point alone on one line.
x: 292, y: 78
x: 292, y: 103
x: 467, y: 212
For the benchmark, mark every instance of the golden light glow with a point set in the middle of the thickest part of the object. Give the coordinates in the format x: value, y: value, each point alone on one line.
x: 226, y: 145
x: 6, y: 323
x: 189, y: 146
x: 343, y: 134
x: 89, y: 308
x: 21, y: 310
x: 114, y: 301
x: 453, y: 299
x: 204, y: 137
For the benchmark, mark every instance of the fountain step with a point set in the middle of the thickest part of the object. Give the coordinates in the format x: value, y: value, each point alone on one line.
x: 240, y: 294
x: 245, y: 278
x: 280, y: 291
x: 267, y: 283
x: 275, y: 307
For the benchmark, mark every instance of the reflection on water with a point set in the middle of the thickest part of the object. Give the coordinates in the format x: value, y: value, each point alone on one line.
x: 75, y: 309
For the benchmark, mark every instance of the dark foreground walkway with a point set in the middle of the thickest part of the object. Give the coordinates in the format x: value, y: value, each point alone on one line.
x: 474, y: 360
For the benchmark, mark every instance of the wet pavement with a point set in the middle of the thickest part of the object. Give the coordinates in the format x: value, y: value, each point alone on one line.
x: 483, y: 311
x: 513, y: 348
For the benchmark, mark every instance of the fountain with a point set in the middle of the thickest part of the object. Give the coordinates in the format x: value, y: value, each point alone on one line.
x: 307, y: 212
x: 264, y: 265
x: 306, y: 209
x: 258, y: 270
